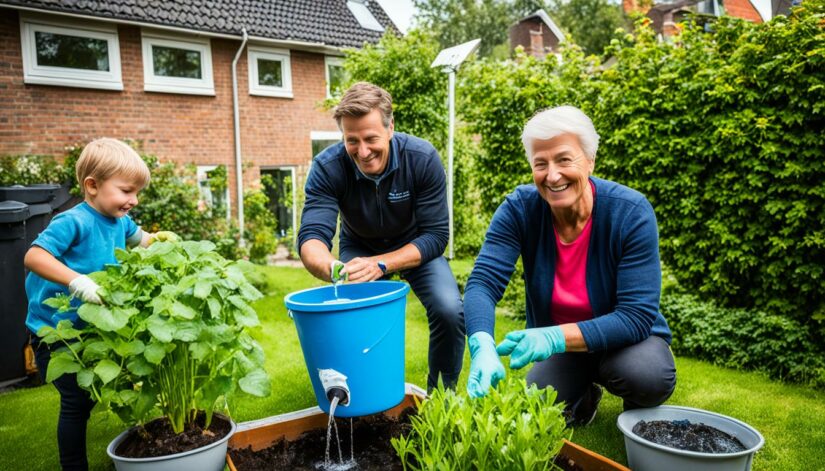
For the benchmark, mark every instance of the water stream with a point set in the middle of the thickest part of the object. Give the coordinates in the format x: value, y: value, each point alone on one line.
x: 341, y: 465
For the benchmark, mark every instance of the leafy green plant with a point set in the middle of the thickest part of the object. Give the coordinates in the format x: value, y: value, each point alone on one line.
x: 30, y: 169
x: 173, y: 333
x: 513, y: 427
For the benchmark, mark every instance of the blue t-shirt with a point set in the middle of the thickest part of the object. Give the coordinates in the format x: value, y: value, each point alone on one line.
x: 83, y: 240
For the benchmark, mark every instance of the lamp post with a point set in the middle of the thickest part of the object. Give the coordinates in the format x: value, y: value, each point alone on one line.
x: 449, y: 60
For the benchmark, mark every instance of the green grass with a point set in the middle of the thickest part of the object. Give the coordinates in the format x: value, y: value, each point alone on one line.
x: 792, y: 418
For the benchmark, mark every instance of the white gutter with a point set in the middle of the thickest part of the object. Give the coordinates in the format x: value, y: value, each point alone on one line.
x: 237, y: 122
x: 283, y: 43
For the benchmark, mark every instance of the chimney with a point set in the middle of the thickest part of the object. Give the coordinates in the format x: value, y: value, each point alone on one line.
x: 537, y: 43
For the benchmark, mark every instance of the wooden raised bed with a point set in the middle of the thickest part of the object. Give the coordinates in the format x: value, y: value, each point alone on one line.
x: 260, y: 434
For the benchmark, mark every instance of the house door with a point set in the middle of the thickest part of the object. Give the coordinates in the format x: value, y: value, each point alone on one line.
x: 279, y: 188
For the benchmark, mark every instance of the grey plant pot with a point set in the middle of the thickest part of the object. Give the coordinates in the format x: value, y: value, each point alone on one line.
x: 644, y: 455
x: 209, y: 458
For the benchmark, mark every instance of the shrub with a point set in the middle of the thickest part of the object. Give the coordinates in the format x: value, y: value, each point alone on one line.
x: 173, y: 334
x: 513, y: 427
x: 31, y: 169
x: 744, y: 339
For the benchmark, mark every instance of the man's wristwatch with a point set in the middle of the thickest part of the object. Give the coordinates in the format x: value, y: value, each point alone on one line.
x: 382, y: 266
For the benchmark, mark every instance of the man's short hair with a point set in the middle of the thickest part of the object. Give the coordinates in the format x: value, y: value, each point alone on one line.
x: 360, y: 99
x: 105, y: 158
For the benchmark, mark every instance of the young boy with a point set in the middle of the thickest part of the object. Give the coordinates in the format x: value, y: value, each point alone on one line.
x: 77, y: 242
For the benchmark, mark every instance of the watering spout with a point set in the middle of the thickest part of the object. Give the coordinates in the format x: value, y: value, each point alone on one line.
x: 335, y: 385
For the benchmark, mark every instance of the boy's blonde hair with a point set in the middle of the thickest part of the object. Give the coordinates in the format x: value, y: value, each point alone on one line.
x: 105, y: 158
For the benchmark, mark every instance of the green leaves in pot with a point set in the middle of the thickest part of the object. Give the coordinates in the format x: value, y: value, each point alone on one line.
x: 172, y: 334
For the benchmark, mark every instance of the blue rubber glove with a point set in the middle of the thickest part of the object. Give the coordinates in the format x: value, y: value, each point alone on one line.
x: 529, y: 345
x: 485, y: 367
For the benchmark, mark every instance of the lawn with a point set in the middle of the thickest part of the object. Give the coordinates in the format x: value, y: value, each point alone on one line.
x: 792, y: 418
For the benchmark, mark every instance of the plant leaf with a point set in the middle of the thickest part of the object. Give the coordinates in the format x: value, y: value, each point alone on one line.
x: 182, y: 311
x: 60, y: 364
x: 160, y: 327
x: 256, y: 382
x: 107, y: 370
x: 155, y: 352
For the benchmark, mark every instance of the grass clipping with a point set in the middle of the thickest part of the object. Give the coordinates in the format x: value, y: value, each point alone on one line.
x: 514, y: 427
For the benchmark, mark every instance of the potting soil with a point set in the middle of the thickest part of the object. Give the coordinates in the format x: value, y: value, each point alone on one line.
x: 157, y: 438
x: 684, y: 435
x: 373, y: 450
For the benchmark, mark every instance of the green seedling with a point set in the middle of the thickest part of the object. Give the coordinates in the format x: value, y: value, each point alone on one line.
x: 514, y: 427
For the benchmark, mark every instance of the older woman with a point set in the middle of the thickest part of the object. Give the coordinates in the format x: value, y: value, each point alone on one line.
x: 591, y: 267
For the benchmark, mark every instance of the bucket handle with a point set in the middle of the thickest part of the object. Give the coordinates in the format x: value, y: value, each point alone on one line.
x: 289, y: 313
x: 367, y: 350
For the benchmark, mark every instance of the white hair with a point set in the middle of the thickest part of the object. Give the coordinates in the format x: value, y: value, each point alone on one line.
x: 552, y: 122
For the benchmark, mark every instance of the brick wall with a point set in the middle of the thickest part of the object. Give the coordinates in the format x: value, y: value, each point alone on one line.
x: 42, y: 119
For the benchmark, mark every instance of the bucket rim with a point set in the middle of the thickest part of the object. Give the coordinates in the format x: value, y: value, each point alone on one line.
x: 402, y: 290
x: 627, y: 431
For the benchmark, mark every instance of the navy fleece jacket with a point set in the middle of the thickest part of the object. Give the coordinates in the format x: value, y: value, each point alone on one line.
x: 623, y: 271
x: 406, y: 205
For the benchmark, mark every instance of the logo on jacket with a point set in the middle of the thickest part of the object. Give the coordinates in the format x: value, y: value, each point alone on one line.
x: 395, y: 196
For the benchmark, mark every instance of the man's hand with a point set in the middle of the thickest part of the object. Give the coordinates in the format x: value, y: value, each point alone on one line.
x: 85, y: 289
x: 362, y: 269
x: 529, y: 345
x: 163, y: 236
x: 485, y: 367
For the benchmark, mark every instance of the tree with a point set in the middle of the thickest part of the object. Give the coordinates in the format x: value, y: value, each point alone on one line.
x: 591, y: 23
x: 457, y: 21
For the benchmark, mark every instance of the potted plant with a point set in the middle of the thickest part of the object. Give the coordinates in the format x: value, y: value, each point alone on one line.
x: 514, y: 427
x: 172, y: 335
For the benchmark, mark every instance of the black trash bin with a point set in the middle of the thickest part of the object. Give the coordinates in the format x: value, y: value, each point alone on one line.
x: 25, y: 211
x: 13, y: 332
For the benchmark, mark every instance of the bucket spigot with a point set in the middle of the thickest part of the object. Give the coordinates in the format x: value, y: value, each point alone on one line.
x: 335, y: 385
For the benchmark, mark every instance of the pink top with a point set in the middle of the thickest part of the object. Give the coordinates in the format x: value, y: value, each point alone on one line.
x: 571, y: 302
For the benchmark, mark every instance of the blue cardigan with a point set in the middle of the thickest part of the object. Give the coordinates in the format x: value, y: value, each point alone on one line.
x: 624, y: 275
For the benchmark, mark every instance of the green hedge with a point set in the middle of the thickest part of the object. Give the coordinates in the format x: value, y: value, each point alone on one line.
x: 744, y: 339
x: 723, y: 131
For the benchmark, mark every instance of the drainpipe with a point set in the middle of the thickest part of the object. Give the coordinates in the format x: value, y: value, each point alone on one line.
x: 237, y: 122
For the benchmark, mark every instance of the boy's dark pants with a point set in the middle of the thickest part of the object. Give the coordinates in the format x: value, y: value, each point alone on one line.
x: 75, y: 407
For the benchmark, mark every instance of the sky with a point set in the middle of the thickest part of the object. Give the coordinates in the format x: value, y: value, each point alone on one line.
x: 400, y: 12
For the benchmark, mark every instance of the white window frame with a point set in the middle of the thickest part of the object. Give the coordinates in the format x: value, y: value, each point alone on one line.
x: 331, y: 61
x: 187, y: 86
x: 65, y: 76
x: 253, y: 53
x: 201, y: 176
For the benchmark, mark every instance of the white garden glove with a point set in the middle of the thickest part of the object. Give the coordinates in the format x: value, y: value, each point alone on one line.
x: 85, y: 289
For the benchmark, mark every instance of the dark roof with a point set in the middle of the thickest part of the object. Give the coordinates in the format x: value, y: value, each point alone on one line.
x: 327, y: 22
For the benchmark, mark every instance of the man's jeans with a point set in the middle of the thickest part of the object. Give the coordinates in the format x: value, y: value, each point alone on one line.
x: 643, y: 374
x: 75, y: 407
x: 435, y: 286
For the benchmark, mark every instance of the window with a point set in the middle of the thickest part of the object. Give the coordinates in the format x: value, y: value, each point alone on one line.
x: 177, y: 65
x: 70, y: 53
x: 279, y: 186
x: 323, y: 139
x: 362, y: 14
x: 269, y: 72
x: 214, y: 188
x: 336, y: 76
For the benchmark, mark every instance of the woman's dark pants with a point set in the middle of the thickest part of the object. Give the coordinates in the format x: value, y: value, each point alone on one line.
x: 75, y: 407
x: 643, y: 375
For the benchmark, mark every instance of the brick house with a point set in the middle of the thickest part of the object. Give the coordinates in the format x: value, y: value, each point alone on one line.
x: 537, y: 33
x: 666, y: 14
x: 160, y: 72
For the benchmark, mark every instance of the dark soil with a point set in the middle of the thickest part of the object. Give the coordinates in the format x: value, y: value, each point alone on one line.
x: 373, y: 450
x: 156, y: 438
x: 684, y: 435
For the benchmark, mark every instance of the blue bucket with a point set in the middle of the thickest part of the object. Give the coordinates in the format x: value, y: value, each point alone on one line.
x: 361, y: 335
